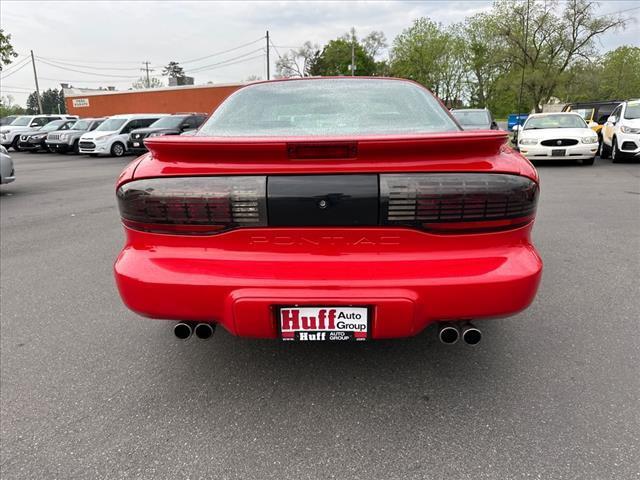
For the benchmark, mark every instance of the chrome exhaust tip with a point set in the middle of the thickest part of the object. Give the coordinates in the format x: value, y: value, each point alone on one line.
x: 204, y: 330
x: 448, y: 334
x: 471, y: 334
x: 182, y: 330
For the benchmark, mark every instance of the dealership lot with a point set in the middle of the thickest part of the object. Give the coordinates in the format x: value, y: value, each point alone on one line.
x: 90, y: 390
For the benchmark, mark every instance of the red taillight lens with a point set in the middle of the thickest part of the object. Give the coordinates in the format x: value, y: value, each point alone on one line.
x: 193, y: 205
x: 457, y: 202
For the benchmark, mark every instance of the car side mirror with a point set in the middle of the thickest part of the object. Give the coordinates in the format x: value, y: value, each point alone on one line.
x: 612, y: 119
x: 517, y: 128
x: 494, y: 125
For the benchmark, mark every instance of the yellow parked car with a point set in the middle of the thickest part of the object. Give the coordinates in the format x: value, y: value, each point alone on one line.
x: 594, y: 113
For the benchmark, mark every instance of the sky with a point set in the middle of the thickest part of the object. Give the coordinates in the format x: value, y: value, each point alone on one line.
x: 95, y: 43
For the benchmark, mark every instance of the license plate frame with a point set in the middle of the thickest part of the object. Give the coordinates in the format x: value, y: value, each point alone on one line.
x: 560, y: 152
x: 326, y: 334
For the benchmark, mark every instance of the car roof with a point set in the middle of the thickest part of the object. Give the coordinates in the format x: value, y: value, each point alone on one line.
x: 544, y: 114
x: 595, y: 103
x: 139, y: 115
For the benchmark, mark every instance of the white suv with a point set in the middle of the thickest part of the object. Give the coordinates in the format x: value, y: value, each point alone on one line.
x: 621, y: 132
x: 111, y: 137
x: 10, y: 134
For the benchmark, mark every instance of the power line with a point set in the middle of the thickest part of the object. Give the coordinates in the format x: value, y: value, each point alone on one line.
x: 84, y: 60
x: 619, y: 11
x: 4, y: 76
x: 262, y: 55
x: 91, y: 67
x: 222, y: 52
x: 276, y: 49
x: 18, y: 92
x: 232, y: 59
x: 14, y: 65
x: 85, y: 73
x: 15, y: 87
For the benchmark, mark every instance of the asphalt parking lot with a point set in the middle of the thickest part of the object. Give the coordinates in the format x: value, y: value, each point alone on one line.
x: 89, y: 390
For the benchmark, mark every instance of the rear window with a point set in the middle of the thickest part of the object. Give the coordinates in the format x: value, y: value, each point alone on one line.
x: 329, y: 107
x: 469, y: 117
x: 555, y: 121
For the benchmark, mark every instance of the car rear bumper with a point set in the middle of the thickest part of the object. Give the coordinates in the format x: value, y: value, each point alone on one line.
x: 408, y: 278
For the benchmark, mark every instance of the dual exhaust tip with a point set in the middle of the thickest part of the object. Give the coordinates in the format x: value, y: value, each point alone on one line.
x: 450, y: 333
x: 203, y: 331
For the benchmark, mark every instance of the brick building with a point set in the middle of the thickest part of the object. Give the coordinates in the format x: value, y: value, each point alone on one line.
x: 188, y: 98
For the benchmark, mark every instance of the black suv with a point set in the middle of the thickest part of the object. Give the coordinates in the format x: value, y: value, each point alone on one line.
x: 171, y: 125
x: 35, y: 141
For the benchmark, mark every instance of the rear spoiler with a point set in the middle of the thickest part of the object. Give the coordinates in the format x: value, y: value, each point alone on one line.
x: 387, y: 149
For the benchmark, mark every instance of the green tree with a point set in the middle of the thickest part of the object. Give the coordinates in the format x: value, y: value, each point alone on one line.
x: 32, y: 104
x: 173, y: 70
x: 53, y: 101
x: 7, y: 107
x: 620, y: 74
x: 485, y: 60
x: 335, y: 58
x: 545, y: 43
x: 7, y: 54
x: 433, y: 56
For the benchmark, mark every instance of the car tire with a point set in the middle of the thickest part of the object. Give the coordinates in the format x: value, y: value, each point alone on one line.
x: 76, y: 147
x: 14, y: 144
x: 616, y: 154
x: 118, y: 149
x: 605, y: 150
x: 588, y: 161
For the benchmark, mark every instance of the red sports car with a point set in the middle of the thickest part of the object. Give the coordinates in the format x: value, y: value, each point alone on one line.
x: 329, y: 209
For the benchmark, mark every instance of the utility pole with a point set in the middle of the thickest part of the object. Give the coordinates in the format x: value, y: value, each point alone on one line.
x: 524, y: 65
x: 268, y: 66
x: 35, y: 76
x: 353, y: 52
x: 147, y: 69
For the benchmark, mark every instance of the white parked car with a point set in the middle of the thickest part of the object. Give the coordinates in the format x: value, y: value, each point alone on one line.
x: 557, y: 136
x: 7, y: 174
x: 111, y: 137
x: 621, y: 132
x: 10, y: 134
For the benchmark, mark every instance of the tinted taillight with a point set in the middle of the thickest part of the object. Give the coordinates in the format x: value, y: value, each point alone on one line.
x: 457, y: 202
x: 193, y: 205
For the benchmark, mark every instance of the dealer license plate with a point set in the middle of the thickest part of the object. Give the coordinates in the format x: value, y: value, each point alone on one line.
x: 558, y: 153
x: 323, y: 323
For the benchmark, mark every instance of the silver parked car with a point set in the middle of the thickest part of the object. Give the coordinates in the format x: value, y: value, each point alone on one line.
x: 67, y: 141
x: 7, y: 174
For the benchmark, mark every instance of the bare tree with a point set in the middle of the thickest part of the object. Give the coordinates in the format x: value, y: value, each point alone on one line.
x: 298, y: 62
x: 544, y: 43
